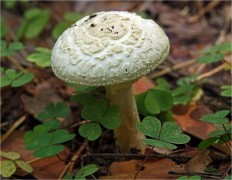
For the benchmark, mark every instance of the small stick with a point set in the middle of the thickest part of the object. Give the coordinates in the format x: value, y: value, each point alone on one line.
x: 141, y: 166
x: 170, y: 69
x: 71, y: 163
x: 212, y: 72
x: 227, y: 171
x: 12, y: 128
x: 203, y: 11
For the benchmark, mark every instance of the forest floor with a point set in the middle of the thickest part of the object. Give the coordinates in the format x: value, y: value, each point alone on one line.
x: 190, y: 25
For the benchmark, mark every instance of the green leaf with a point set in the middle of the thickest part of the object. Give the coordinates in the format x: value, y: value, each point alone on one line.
x: 35, y: 21
x: 10, y: 4
x: 52, y: 124
x: 86, y: 171
x: 7, y: 168
x: 38, y: 140
x: 207, y: 142
x: 68, y: 176
x: 24, y: 165
x: 151, y: 105
x: 25, y: 78
x: 42, y: 57
x: 157, y: 101
x: 73, y: 16
x: 159, y: 144
x: 12, y: 74
x: 83, y: 99
x: 183, y: 94
x: 111, y: 118
x: 217, y: 118
x: 53, y: 111
x: 4, y: 29
x: 210, y: 58
x: 187, y: 80
x: 61, y: 110
x: 48, y: 151
x: 15, y: 46
x: 84, y: 89
x: 59, y: 29
x: 96, y: 110
x: 140, y: 98
x: 5, y: 81
x: 37, y: 25
x: 61, y: 136
x: 21, y: 30
x: 10, y: 155
x: 91, y: 131
x: 226, y: 91
x: 150, y: 126
x: 171, y: 133
x: 162, y: 85
x: 220, y: 48
x: 183, y: 99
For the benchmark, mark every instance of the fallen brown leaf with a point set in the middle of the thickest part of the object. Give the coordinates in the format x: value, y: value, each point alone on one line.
x: 43, y: 94
x: 45, y: 168
x: 199, y: 162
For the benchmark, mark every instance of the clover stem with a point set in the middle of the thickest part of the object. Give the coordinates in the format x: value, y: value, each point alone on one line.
x: 127, y: 135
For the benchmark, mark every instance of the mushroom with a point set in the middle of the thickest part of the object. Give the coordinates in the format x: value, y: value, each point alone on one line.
x: 112, y: 49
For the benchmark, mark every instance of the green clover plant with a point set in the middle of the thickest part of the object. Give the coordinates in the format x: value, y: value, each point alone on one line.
x: 226, y: 91
x: 98, y: 111
x: 83, y: 172
x: 42, y: 57
x: 35, y: 21
x: 11, y: 48
x: 9, y: 166
x: 15, y: 78
x: 162, y: 136
x: 215, y: 53
x: 223, y: 132
x: 46, y: 138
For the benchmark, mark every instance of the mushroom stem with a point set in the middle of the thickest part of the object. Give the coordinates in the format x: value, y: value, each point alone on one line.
x: 127, y: 135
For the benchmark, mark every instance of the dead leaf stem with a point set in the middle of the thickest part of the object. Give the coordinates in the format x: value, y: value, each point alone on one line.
x: 71, y: 163
x: 203, y: 11
x: 212, y: 72
x: 12, y: 128
x: 170, y: 69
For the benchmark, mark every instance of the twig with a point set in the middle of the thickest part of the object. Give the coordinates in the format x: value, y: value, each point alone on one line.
x: 33, y: 160
x: 12, y: 128
x: 142, y: 156
x: 212, y: 72
x: 225, y: 173
x: 71, y: 163
x: 170, y: 69
x: 141, y: 166
x: 80, y: 123
x: 203, y: 11
x: 15, y: 62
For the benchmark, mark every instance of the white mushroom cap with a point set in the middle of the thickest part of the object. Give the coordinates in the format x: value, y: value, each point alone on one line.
x: 108, y: 48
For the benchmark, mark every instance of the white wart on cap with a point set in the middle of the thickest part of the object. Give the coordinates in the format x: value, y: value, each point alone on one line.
x: 108, y: 48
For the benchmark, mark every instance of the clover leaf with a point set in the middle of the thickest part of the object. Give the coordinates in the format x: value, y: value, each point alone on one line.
x: 164, y: 136
x: 54, y: 111
x: 42, y: 57
x: 86, y: 171
x: 216, y: 118
x: 15, y: 78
